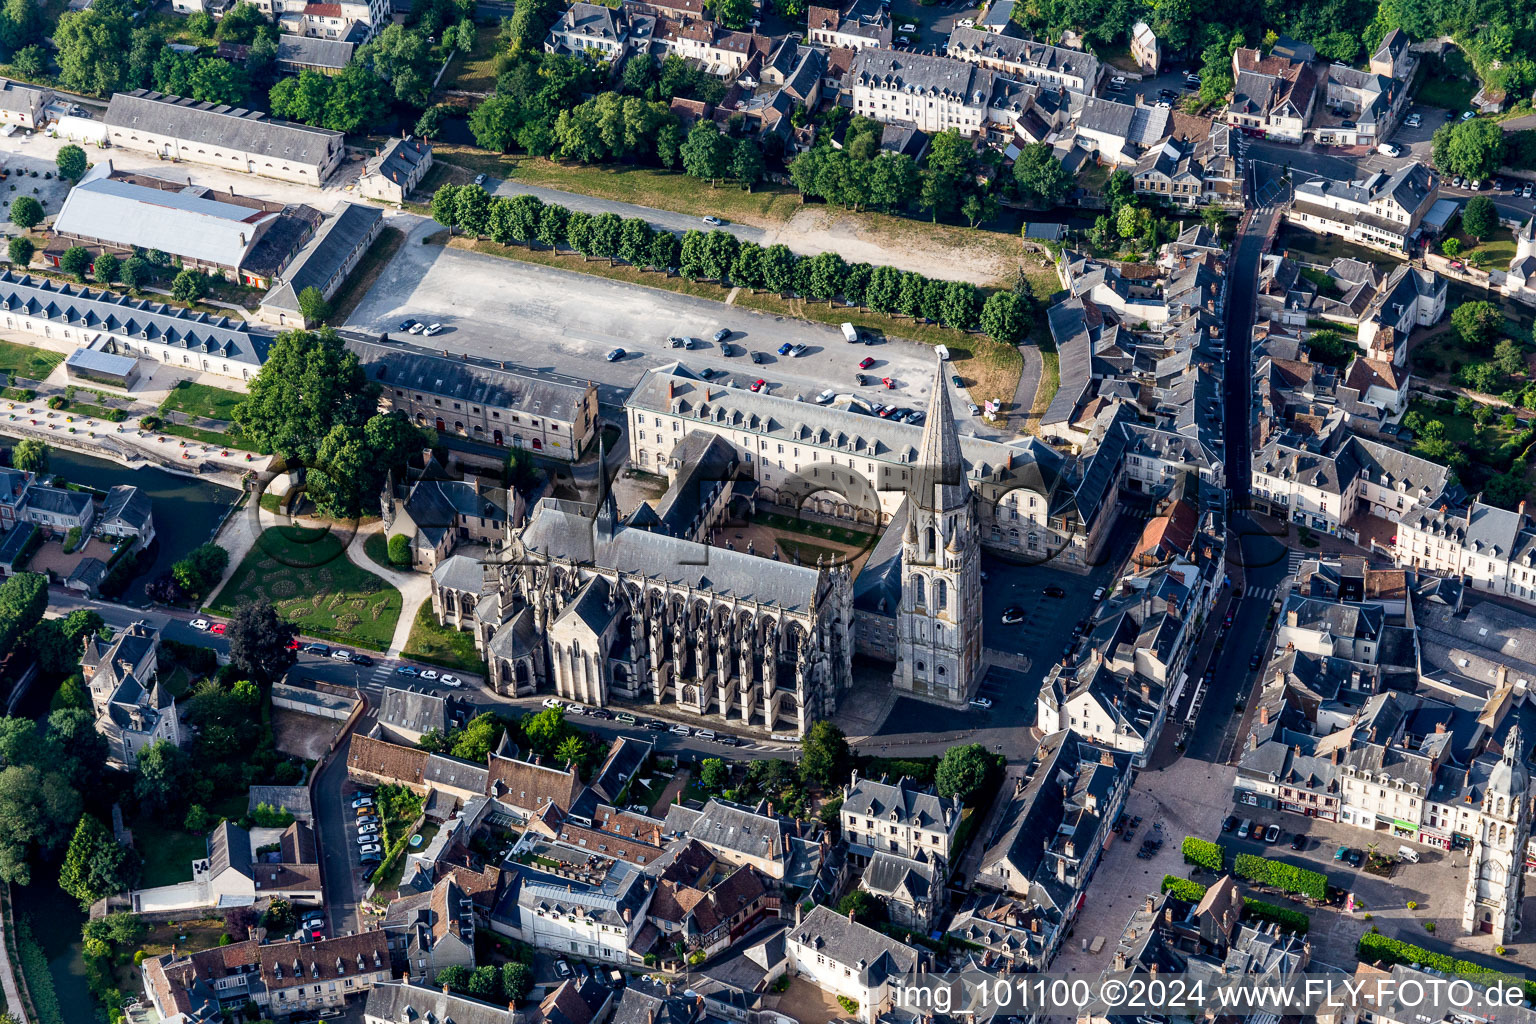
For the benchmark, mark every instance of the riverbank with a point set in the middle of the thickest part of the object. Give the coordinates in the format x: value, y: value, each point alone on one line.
x: 131, y: 447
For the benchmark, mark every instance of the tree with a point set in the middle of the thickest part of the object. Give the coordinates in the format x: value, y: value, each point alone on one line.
x: 339, y: 480
x: 399, y: 56
x: 706, y: 152
x: 188, y: 285
x: 26, y: 212
x: 23, y: 598
x: 863, y: 907
x: 71, y: 162
x: 134, y: 272
x: 313, y: 307
x: 1477, y: 323
x: 1040, y: 177
x: 161, y: 777
x: 106, y: 268
x: 1004, y: 316
x: 635, y: 240
x: 58, y: 642
x: 474, y: 209
x: 202, y: 569
x: 454, y: 976
x: 399, y: 547
x: 75, y: 260
x: 572, y: 751
x: 20, y: 251
x: 309, y: 383
x: 1451, y: 247
x: 20, y: 22
x: 963, y: 770
x: 478, y: 738
x: 552, y: 223
x: 1508, y: 358
x: 778, y: 268
x: 1331, y: 349
x: 1479, y: 219
x: 516, y: 981
x: 714, y: 774
x: 1473, y: 148
x: 545, y: 729
x: 93, y: 49
x: 241, y: 24
x: 1125, y: 222
x: 280, y: 917
x: 445, y: 205
x: 96, y: 865
x: 1213, y: 217
x: 666, y: 252
x: 30, y: 456
x: 258, y: 642
x: 824, y: 755
x: 958, y: 309
x: 38, y: 809
x: 747, y: 165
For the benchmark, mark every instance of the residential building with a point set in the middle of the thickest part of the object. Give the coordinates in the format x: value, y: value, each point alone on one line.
x: 1053, y: 67
x: 248, y: 241
x: 237, y: 876
x: 393, y: 173
x: 597, y: 916
x: 1384, y: 211
x: 497, y: 404
x: 846, y: 959
x: 59, y: 509
x: 1016, y: 935
x: 898, y: 818
x: 122, y: 676
x: 406, y: 714
x: 935, y: 93
x: 1146, y: 50
x: 117, y: 325
x: 438, y: 515
x: 705, y: 902
x: 375, y: 760
x: 863, y: 23
x: 1119, y: 133
x: 354, y: 20
x: 178, y: 128
x: 432, y: 930
x: 912, y: 889
x: 1489, y: 549
x: 281, y: 978
x: 1272, y: 96
x: 297, y: 53
x: 1360, y: 108
x: 524, y: 789
x: 127, y: 514
x: 1192, y: 170
x: 397, y: 1001
x: 783, y: 850
x: 24, y: 105
x: 592, y: 28
x: 323, y: 264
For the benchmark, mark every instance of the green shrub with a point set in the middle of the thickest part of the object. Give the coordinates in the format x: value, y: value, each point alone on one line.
x: 1286, y: 877
x: 1203, y: 853
x: 1377, y: 948
x: 400, y: 549
x: 1413, y: 904
x: 1183, y: 888
x: 1290, y: 920
x: 850, y: 1006
x: 72, y: 539
x: 58, y: 402
x: 1429, y: 926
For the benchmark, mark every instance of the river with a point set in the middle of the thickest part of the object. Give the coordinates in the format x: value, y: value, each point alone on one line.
x: 56, y: 919
x: 187, y: 510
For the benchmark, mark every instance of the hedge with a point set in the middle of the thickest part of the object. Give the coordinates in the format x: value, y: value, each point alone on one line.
x: 1290, y: 920
x: 1203, y: 853
x: 1377, y: 948
x: 1183, y: 888
x: 1286, y: 877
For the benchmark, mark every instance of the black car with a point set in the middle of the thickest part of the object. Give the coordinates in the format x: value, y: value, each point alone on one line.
x: 361, y: 659
x: 722, y: 334
x: 1054, y: 591
x: 653, y: 725
x: 406, y: 325
x: 1299, y: 841
x: 600, y: 713
x: 1229, y: 823
x: 758, y: 357
x: 728, y: 741
x: 1012, y: 615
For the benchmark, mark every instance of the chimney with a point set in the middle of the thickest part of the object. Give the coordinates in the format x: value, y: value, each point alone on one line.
x: 850, y: 916
x: 1148, y: 904
x: 1119, y: 960
x: 1335, y: 757
x: 1440, y: 726
x: 1152, y: 969
x: 1521, y: 511
x: 1263, y: 714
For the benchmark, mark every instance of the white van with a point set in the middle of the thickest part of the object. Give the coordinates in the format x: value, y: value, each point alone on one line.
x: 1387, y: 149
x: 1406, y: 854
x: 943, y: 352
x: 851, y: 334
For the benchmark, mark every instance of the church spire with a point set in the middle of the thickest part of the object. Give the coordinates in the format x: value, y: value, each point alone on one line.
x: 939, y: 481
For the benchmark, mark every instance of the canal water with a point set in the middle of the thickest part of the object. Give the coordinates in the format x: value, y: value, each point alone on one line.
x: 187, y: 510
x: 55, y: 919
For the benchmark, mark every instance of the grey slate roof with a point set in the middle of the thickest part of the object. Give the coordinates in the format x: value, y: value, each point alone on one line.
x: 249, y: 131
x: 903, y: 802
x: 229, y: 847
x: 1014, y: 50
x: 58, y: 500
x: 416, y: 1004
x: 21, y: 98
x: 419, y: 711
x: 102, y: 311
x: 505, y: 386
x: 317, y: 263
x: 312, y: 52
x: 460, y: 573
x: 872, y: 956
x: 127, y: 506
x: 1143, y: 126
x: 398, y: 159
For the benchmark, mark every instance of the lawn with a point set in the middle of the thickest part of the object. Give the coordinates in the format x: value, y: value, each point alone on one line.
x: 365, y: 273
x: 1050, y: 383
x: 202, y: 400
x: 993, y: 368
x: 646, y: 186
x: 375, y: 545
x: 827, y: 531
x: 1325, y: 284
x: 1482, y: 444
x: 307, y: 575
x: 167, y: 852
x: 26, y: 361
x: 387, y: 878
x: 475, y: 71
x: 442, y: 645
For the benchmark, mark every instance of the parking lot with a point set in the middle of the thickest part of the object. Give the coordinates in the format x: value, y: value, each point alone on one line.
x: 567, y: 323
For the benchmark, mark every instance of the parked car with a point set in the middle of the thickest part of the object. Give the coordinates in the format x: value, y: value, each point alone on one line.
x: 708, y: 735
x: 479, y: 179
x: 366, y: 816
x: 722, y: 334
x: 602, y: 714
x: 1229, y: 823
x: 826, y: 396
x: 406, y: 325
x: 1256, y: 660
x: 908, y: 27
x: 366, y: 830
x: 866, y: 362
x: 798, y: 351
x: 758, y: 357
x: 785, y: 349
x: 1355, y: 858
x: 361, y: 659
x: 1456, y: 181
x: 199, y: 624
x: 981, y: 702
x: 973, y: 409
x: 340, y: 654
x: 1272, y: 834
x: 759, y: 384
x: 1299, y: 841
x: 1525, y: 193
x: 1012, y: 615
x: 417, y: 328
x: 217, y: 629
x: 1098, y: 594
x: 680, y: 730
x: 889, y: 383
x: 370, y: 848
x: 1341, y: 853
x: 1257, y: 832
x: 614, y: 355
x: 626, y: 718
x: 429, y: 673
x: 450, y: 680
x: 563, y: 968
x: 1054, y: 591
x: 1467, y: 115
x: 407, y: 670
x: 362, y: 801
x: 713, y: 221
x: 434, y: 329
x: 553, y: 702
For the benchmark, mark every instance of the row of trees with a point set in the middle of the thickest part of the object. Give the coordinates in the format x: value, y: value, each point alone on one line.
x: 718, y: 255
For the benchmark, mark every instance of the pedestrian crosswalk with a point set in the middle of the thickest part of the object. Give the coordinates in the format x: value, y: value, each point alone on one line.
x: 380, y: 675
x: 1260, y: 593
x: 1293, y: 561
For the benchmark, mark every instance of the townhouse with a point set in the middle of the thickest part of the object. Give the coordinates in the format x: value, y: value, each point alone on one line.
x: 394, y: 171
x: 849, y: 961
x: 1272, y: 97
x: 935, y: 93
x: 899, y: 818
x: 863, y: 23
x: 1197, y: 165
x: 1054, y: 67
x: 1490, y: 549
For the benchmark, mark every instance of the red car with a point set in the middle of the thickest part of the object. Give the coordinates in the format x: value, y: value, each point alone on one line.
x: 887, y: 382
x: 758, y: 385
x: 866, y: 363
x: 217, y: 629
x: 293, y: 644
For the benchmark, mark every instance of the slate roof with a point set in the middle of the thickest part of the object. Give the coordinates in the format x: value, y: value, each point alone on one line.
x: 141, y: 320
x: 126, y: 506
x: 21, y: 98
x: 873, y: 958
x: 313, y: 52
x: 503, y: 386
x: 397, y: 160
x: 58, y: 500
x: 237, y: 128
x: 419, y: 711
x: 903, y: 802
x: 1014, y: 50
x: 399, y: 1001
x: 319, y: 260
